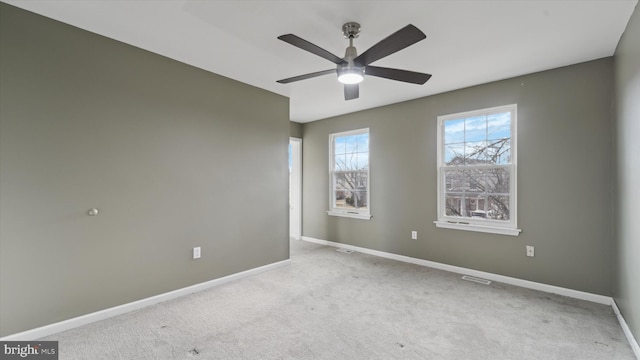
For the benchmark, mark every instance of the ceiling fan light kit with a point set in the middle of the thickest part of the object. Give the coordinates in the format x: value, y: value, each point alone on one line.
x: 352, y: 69
x: 353, y: 75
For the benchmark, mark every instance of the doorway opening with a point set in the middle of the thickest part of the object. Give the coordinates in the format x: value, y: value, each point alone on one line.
x: 295, y: 188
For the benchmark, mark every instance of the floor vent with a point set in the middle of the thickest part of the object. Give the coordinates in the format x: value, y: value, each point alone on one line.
x: 476, y: 280
x: 346, y: 251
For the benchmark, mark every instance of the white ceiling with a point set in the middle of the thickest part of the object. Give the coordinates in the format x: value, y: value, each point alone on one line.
x: 468, y: 42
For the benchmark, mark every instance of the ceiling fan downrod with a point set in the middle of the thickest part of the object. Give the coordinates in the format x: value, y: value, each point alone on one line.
x: 350, y: 73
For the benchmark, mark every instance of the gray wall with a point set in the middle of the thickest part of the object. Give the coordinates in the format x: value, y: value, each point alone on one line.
x: 626, y: 287
x: 171, y: 155
x: 295, y: 129
x: 564, y: 179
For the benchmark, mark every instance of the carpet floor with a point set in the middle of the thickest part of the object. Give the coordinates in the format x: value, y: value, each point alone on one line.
x: 332, y: 305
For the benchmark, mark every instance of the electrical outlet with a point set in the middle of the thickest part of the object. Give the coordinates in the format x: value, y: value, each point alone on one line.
x: 196, y: 252
x: 530, y: 251
x: 414, y: 235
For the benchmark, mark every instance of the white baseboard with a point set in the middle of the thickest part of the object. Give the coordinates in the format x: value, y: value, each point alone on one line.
x: 55, y: 328
x: 625, y: 328
x: 600, y: 299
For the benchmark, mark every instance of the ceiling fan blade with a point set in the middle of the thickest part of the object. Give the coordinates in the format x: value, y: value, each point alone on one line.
x: 397, y: 74
x: 351, y: 91
x: 314, y: 49
x: 307, y: 76
x: 399, y: 40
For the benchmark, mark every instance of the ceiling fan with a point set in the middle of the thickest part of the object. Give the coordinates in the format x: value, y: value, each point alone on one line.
x: 353, y: 67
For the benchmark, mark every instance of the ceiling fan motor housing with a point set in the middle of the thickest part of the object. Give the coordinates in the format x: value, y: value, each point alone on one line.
x: 350, y: 73
x: 351, y: 30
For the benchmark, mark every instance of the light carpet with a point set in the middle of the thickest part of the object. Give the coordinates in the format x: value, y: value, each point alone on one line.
x: 332, y: 305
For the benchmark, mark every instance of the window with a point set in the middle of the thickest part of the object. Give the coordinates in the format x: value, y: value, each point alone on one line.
x: 477, y: 171
x: 349, y: 174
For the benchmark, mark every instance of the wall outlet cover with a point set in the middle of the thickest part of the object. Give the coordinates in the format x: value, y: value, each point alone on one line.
x: 530, y: 251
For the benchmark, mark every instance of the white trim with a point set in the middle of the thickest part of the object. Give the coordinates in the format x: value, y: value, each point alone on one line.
x: 600, y: 299
x: 625, y: 328
x: 478, y: 228
x: 354, y: 215
x: 75, y: 322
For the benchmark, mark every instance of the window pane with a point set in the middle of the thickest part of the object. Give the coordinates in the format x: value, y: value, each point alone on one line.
x: 352, y: 180
x: 359, y: 199
x: 499, y: 152
x: 475, y: 181
x: 497, y: 181
x: 352, y: 152
x: 475, y: 207
x: 351, y: 162
x: 345, y: 181
x: 454, y: 180
x: 475, y: 128
x: 499, y: 126
x: 454, y: 154
x: 453, y: 204
x: 363, y: 161
x: 341, y: 183
x: 346, y: 199
x: 341, y: 198
x: 351, y: 190
x: 363, y: 143
x: 475, y: 153
x: 466, y: 193
x: 498, y: 207
x: 340, y: 162
x: 339, y: 145
x: 351, y: 144
x: 453, y: 131
x: 360, y: 182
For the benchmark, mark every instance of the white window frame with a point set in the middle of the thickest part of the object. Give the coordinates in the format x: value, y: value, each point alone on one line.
x: 363, y: 214
x: 470, y: 224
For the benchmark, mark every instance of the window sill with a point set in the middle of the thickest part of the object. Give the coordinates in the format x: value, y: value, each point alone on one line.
x: 353, y: 215
x: 478, y: 228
